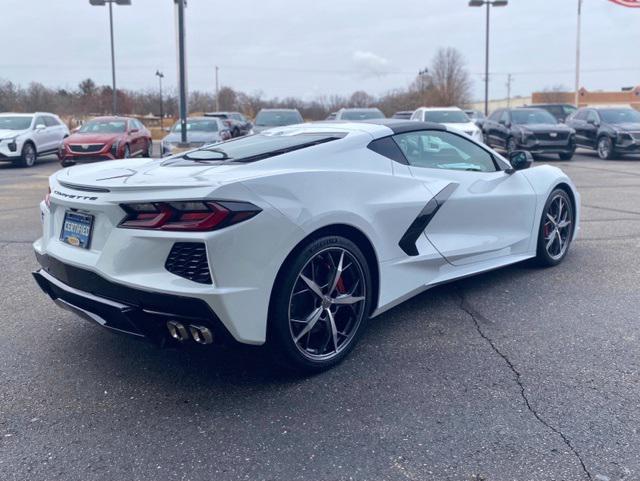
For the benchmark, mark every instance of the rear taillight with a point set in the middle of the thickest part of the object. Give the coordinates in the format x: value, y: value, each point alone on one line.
x: 186, y: 215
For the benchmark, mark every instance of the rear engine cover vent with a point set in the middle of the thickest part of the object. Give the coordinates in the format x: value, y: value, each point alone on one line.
x: 189, y: 260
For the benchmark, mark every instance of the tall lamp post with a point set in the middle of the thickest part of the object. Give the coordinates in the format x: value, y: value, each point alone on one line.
x: 422, y: 74
x: 182, y: 71
x: 489, y: 4
x: 160, y: 76
x: 102, y: 3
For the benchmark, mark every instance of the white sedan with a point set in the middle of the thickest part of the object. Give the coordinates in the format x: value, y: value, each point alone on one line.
x: 451, y: 117
x: 293, y: 237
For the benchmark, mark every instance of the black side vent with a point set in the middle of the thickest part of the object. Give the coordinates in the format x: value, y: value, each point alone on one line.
x: 189, y: 260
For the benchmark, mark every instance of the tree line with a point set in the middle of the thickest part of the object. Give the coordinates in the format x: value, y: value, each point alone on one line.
x: 446, y: 82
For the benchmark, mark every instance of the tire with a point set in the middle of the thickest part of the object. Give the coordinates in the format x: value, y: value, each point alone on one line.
x: 28, y: 156
x: 566, y: 155
x: 605, y: 148
x: 314, y: 325
x: 511, y: 145
x: 150, y: 149
x: 127, y: 152
x: 556, y: 229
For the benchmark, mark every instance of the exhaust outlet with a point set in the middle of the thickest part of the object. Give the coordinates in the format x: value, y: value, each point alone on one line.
x: 201, y: 334
x: 177, y: 331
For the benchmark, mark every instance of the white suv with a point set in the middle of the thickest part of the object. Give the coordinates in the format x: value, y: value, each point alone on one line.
x: 451, y: 117
x: 24, y: 137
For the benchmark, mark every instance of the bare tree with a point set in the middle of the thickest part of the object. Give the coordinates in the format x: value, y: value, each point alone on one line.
x: 450, y: 80
x: 554, y: 94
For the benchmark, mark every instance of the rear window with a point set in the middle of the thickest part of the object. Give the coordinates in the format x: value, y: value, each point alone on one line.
x: 253, y: 148
x: 367, y: 114
x: 278, y: 118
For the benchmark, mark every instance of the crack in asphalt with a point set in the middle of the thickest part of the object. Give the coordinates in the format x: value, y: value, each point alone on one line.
x: 474, y: 315
x: 611, y: 209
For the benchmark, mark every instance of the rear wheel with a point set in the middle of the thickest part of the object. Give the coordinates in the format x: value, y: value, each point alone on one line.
x: 556, y: 229
x: 319, y: 305
x: 28, y: 156
x: 605, y: 148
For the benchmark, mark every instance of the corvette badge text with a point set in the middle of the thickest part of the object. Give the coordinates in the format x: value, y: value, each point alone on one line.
x: 73, y: 196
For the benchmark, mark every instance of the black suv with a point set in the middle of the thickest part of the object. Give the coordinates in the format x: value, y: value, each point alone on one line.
x: 237, y: 123
x: 560, y: 111
x: 533, y: 130
x: 609, y: 131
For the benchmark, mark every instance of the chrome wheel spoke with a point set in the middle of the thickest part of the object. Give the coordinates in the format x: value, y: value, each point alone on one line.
x: 336, y: 275
x: 334, y: 330
x: 311, y: 322
x: 315, y: 288
x: 347, y: 299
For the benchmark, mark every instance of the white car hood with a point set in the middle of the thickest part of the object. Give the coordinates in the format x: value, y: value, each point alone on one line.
x: 467, y: 127
x: 9, y: 134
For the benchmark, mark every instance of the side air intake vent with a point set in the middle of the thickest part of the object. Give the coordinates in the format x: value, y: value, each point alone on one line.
x: 189, y: 260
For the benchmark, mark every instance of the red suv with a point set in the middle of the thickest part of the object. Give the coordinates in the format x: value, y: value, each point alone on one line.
x: 106, y: 138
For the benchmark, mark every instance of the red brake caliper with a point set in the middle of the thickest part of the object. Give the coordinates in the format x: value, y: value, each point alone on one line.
x: 340, y: 286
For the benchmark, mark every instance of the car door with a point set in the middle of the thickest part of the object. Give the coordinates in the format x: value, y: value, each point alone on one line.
x: 503, y: 129
x: 490, y: 126
x: 579, y: 123
x: 484, y: 212
x: 135, y: 137
x: 41, y: 136
x: 591, y: 129
x: 57, y: 131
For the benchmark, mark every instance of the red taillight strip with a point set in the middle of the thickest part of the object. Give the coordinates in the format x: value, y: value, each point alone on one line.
x: 211, y: 216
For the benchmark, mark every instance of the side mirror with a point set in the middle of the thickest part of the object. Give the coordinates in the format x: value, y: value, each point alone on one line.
x: 41, y: 127
x: 133, y: 131
x: 593, y: 122
x: 520, y: 160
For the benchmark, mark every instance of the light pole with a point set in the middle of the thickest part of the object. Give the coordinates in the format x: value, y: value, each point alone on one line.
x: 160, y: 76
x: 489, y: 4
x: 422, y: 74
x: 102, y: 3
x: 182, y: 74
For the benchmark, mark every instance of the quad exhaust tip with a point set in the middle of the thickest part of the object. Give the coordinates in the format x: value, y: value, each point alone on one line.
x: 200, y: 334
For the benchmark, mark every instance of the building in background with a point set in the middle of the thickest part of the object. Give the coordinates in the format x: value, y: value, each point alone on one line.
x: 628, y: 97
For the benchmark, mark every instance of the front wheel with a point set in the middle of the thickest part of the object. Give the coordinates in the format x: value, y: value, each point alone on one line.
x: 511, y: 145
x: 28, y: 156
x: 150, y: 149
x: 605, y: 148
x: 566, y: 155
x: 556, y: 229
x: 319, y: 305
x: 127, y: 152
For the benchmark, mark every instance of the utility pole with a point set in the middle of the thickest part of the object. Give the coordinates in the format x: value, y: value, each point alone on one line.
x: 217, y: 91
x: 101, y: 3
x: 509, y: 80
x: 182, y: 74
x: 577, y: 86
x: 160, y: 76
x: 488, y: 4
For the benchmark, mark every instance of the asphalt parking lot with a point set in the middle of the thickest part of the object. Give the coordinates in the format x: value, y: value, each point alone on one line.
x: 519, y: 374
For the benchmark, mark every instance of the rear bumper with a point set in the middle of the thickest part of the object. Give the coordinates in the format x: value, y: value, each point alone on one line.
x: 123, y: 309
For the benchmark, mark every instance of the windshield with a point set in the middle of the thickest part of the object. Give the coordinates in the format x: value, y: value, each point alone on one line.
x: 15, y: 123
x: 619, y: 116
x: 103, y: 127
x: 474, y: 114
x: 362, y: 114
x: 278, y: 118
x: 446, y: 116
x: 254, y: 147
x: 532, y: 116
x: 204, y: 125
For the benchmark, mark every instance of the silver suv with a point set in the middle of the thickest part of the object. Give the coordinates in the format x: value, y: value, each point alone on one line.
x: 24, y: 137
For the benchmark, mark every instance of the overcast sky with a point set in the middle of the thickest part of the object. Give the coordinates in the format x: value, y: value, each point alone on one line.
x: 310, y: 47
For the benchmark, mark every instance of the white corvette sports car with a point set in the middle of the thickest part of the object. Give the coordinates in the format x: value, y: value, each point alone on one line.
x: 294, y: 237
